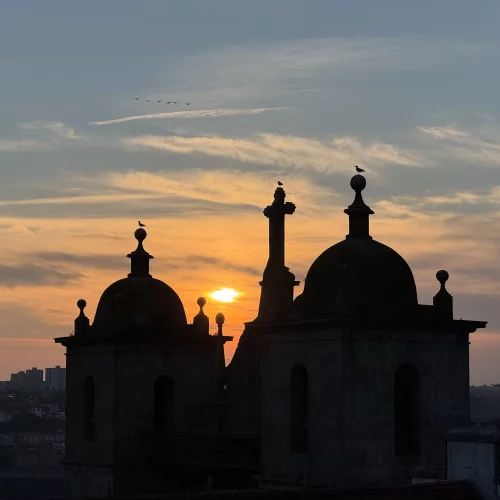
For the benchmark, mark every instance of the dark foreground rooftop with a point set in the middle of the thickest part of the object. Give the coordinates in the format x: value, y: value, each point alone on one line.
x: 441, y: 490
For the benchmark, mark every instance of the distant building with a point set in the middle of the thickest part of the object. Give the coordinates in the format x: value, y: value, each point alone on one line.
x: 5, y: 417
x: 28, y: 381
x: 55, y: 414
x: 55, y: 378
x: 38, y: 411
x: 34, y: 380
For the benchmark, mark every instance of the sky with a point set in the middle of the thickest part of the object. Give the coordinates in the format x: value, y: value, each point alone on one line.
x: 293, y: 90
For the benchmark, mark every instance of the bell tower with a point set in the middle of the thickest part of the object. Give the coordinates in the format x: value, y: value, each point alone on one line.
x: 142, y: 385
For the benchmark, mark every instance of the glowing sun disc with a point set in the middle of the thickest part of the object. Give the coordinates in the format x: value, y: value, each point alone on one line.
x: 224, y: 295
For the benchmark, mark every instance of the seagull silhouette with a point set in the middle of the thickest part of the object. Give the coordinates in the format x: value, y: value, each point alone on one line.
x: 159, y: 100
x: 147, y: 100
x: 188, y: 103
x: 136, y: 98
x: 141, y: 224
x: 358, y: 169
x: 168, y: 102
x: 280, y: 183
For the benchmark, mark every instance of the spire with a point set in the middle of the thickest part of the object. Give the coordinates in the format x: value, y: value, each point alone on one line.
x: 139, y: 265
x: 82, y: 323
x: 358, y: 211
x: 443, y: 300
x: 277, y: 285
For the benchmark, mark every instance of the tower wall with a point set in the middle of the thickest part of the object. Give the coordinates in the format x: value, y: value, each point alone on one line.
x: 127, y: 453
x: 351, y: 403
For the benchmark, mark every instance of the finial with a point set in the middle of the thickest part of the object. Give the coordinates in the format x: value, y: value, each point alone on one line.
x: 443, y: 301
x: 201, y: 302
x: 82, y: 323
x: 139, y: 257
x: 442, y: 276
x: 140, y: 235
x: 358, y: 211
x: 358, y: 183
x: 219, y: 319
x: 200, y: 321
x: 82, y: 304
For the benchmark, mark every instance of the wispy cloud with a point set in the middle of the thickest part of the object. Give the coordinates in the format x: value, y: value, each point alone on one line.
x: 200, y: 113
x: 339, y: 154
x: 12, y: 146
x: 35, y: 275
x: 486, y: 197
x: 480, y: 146
x: 84, y: 199
x: 224, y: 187
x: 258, y: 72
x: 59, y: 129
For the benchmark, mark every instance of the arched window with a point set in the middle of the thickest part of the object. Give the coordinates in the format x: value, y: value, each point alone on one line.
x: 406, y: 411
x: 88, y: 409
x: 299, y: 406
x: 164, y: 401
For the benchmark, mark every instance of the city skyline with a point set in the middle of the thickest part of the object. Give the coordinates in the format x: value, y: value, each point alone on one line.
x: 277, y: 91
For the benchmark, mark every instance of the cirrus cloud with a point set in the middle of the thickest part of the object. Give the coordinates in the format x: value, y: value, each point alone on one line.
x: 199, y: 113
x: 339, y: 154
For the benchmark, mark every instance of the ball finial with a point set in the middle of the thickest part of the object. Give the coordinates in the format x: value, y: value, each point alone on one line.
x: 219, y: 319
x: 140, y: 234
x: 201, y: 302
x: 358, y: 183
x: 82, y: 304
x: 442, y: 276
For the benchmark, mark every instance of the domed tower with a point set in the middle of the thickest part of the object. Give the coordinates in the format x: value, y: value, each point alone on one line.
x: 360, y: 384
x: 359, y: 275
x: 138, y: 379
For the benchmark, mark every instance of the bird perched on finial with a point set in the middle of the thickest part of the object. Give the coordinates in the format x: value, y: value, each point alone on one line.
x: 358, y: 169
x: 141, y: 224
x: 280, y: 183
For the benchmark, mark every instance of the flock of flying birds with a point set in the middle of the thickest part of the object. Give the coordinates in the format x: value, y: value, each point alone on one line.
x: 161, y: 100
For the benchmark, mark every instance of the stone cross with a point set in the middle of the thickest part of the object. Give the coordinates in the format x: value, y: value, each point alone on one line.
x: 276, y: 214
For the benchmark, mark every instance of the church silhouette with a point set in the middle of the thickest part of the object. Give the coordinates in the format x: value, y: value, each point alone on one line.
x: 351, y: 384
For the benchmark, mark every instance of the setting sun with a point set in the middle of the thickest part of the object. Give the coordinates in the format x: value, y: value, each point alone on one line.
x: 224, y: 295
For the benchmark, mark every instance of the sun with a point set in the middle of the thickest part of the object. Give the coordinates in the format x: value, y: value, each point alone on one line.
x: 224, y: 295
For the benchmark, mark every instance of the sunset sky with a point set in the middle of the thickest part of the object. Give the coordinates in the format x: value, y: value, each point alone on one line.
x: 293, y: 90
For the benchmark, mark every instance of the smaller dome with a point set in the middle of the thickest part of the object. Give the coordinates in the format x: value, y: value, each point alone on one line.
x: 140, y: 303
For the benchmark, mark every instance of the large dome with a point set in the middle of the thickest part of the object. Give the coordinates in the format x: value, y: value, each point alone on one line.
x: 140, y: 303
x: 359, y: 276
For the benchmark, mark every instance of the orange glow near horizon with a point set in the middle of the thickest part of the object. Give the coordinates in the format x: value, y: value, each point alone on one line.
x: 224, y: 295
x: 64, y: 259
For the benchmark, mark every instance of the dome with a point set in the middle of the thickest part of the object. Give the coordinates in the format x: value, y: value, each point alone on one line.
x: 144, y: 305
x: 139, y: 303
x: 359, y: 276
